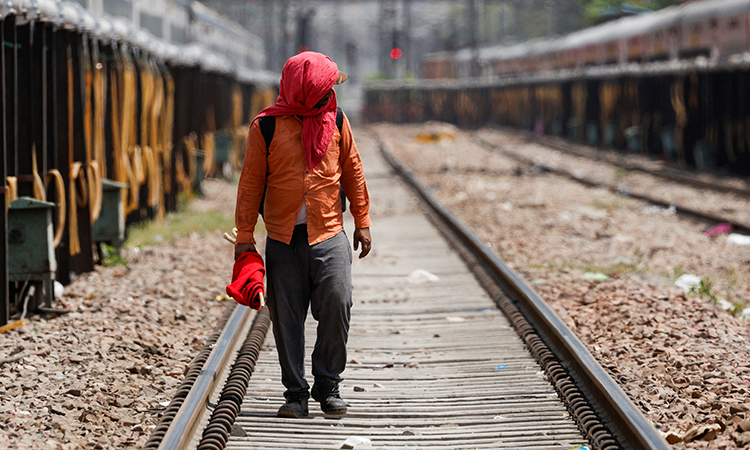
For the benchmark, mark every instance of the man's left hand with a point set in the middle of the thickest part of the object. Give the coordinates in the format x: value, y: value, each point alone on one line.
x: 362, y: 235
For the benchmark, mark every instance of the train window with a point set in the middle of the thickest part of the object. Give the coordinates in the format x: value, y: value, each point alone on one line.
x: 152, y: 23
x: 178, y: 35
x: 122, y: 8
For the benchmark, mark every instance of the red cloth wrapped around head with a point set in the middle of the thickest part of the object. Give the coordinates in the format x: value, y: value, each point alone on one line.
x: 247, y: 280
x: 305, y: 79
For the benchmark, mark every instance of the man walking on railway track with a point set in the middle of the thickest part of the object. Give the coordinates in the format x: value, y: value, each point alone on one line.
x: 300, y: 151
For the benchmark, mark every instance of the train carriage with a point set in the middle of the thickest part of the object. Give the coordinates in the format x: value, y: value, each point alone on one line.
x: 93, y: 102
x: 714, y: 29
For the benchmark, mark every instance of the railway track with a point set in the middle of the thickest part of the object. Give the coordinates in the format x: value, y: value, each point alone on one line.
x: 665, y: 172
x: 448, y: 350
x: 671, y: 175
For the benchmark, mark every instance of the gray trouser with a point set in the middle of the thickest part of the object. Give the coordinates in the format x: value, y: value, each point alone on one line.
x: 320, y: 277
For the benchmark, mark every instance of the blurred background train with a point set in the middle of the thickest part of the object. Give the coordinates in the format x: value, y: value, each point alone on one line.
x: 182, y: 22
x: 113, y: 111
x: 715, y: 30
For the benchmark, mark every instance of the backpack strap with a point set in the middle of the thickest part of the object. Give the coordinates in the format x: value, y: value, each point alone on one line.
x: 340, y: 125
x: 267, y: 126
x: 339, y: 119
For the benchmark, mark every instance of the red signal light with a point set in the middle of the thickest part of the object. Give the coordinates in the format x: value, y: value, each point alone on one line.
x: 396, y: 53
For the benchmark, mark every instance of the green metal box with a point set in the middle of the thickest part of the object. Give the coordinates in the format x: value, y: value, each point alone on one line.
x: 31, y: 250
x: 110, y: 226
x: 223, y: 147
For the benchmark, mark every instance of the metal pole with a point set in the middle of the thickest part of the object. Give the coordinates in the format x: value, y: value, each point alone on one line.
x: 472, y: 11
x: 409, y: 60
x: 283, y: 54
x: 268, y: 32
x: 4, y: 300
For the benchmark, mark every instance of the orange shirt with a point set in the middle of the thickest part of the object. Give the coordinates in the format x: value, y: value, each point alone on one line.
x: 290, y: 184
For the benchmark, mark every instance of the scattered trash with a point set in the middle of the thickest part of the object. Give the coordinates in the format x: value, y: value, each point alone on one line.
x: 738, y: 239
x: 501, y: 366
x: 719, y: 229
x: 653, y: 209
x: 385, y: 366
x: 707, y: 432
x: 165, y: 403
x: 377, y: 385
x: 359, y: 389
x: 582, y: 447
x: 499, y: 417
x: 421, y: 276
x: 12, y: 325
x: 356, y: 361
x: 237, y: 430
x: 455, y: 319
x: 724, y: 304
x: 688, y: 282
x: 596, y: 276
x: 355, y: 441
x: 671, y: 437
x: 432, y: 137
x: 59, y: 289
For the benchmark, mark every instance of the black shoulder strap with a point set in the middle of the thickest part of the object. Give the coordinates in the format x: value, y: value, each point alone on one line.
x: 339, y: 119
x: 267, y: 126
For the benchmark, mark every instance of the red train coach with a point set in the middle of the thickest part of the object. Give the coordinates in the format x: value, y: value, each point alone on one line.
x: 713, y: 29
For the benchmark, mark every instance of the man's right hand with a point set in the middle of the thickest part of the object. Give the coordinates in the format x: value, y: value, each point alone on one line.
x: 239, y: 249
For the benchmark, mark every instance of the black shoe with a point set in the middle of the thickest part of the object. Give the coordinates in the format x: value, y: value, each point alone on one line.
x: 327, y: 393
x: 294, y: 408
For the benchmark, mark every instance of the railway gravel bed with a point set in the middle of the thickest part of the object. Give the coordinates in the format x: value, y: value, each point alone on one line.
x: 731, y: 206
x: 607, y: 264
x: 100, y: 376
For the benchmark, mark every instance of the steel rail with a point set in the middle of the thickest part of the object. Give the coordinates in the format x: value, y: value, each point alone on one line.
x: 183, y: 426
x: 621, y: 415
x: 610, y: 157
x: 683, y: 210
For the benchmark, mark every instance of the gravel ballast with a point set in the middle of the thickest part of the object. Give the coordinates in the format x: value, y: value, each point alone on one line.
x: 99, y: 376
x: 607, y: 264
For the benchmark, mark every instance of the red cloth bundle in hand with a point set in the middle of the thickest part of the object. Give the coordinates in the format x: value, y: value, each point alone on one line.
x: 247, y: 280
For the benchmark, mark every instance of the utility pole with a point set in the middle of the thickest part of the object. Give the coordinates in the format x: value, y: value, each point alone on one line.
x: 283, y: 53
x: 304, y: 30
x: 268, y: 32
x: 406, y: 36
x: 387, y: 36
x: 473, y: 40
